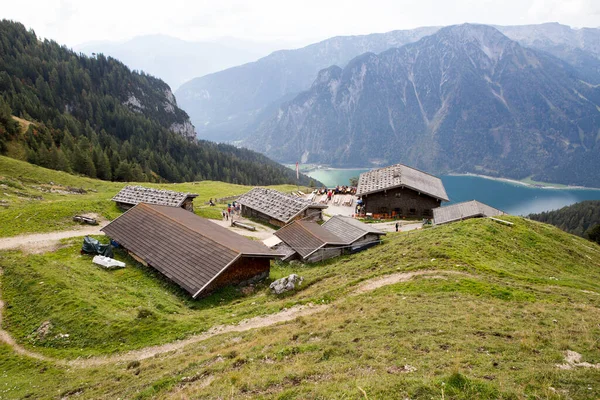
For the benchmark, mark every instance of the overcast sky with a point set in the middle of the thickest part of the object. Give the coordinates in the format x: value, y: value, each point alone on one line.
x: 299, y: 21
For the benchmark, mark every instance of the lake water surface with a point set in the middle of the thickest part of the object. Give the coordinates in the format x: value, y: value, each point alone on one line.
x: 513, y: 198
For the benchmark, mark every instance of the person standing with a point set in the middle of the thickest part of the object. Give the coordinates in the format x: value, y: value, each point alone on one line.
x: 396, y: 226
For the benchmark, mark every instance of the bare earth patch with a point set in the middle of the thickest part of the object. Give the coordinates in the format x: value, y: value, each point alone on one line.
x: 573, y: 360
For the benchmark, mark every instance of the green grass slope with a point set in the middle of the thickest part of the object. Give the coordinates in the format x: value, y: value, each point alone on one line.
x: 494, y: 321
x: 36, y: 199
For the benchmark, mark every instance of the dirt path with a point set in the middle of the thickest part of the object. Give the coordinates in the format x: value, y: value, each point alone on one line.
x: 262, y: 232
x: 43, y: 242
x: 376, y: 283
x: 246, y: 325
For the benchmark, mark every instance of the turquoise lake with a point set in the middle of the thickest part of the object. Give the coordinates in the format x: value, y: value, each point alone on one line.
x: 513, y: 198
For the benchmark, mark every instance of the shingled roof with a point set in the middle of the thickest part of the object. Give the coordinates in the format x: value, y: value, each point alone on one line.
x: 306, y: 237
x: 400, y: 175
x: 459, y: 211
x: 275, y: 204
x: 348, y: 229
x: 189, y: 250
x: 138, y: 194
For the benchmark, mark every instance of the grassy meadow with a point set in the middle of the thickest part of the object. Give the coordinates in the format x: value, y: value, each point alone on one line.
x: 512, y: 300
x: 35, y: 199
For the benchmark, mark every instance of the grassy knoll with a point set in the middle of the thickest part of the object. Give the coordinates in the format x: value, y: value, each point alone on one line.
x: 36, y: 199
x: 523, y: 296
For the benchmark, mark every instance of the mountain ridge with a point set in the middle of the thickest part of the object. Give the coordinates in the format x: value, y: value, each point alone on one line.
x: 466, y: 99
x: 226, y: 105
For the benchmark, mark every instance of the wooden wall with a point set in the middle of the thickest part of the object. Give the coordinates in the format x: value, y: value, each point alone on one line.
x: 403, y: 201
x: 244, y: 270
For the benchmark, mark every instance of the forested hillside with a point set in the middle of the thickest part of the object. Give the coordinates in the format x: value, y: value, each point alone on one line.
x: 94, y: 116
x: 579, y: 219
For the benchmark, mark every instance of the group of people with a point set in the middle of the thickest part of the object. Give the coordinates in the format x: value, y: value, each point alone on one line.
x: 232, y: 208
x: 337, y: 190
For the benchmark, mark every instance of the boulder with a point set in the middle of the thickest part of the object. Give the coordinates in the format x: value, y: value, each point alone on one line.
x: 286, y: 284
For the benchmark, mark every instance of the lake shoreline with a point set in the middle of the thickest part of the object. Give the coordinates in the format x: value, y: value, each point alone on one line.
x: 542, y: 185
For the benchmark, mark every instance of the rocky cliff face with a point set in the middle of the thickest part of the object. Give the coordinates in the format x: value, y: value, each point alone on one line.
x: 466, y: 99
x: 157, y: 102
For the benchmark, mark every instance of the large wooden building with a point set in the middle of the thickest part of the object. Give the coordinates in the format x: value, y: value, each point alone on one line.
x: 129, y: 196
x: 465, y: 210
x: 195, y: 253
x: 278, y: 208
x: 400, y: 191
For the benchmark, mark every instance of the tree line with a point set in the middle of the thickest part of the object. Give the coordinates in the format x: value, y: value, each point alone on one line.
x: 96, y: 117
x: 581, y: 219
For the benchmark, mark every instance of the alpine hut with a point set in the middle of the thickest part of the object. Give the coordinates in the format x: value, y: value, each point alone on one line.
x: 129, y: 196
x: 400, y: 191
x: 195, y: 253
x: 356, y: 235
x: 278, y: 208
x: 465, y: 210
x: 311, y: 242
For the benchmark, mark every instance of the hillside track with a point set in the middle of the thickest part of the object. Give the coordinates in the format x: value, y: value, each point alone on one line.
x: 43, y: 242
x: 285, y: 315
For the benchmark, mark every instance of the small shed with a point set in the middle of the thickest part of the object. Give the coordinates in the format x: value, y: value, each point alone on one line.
x: 309, y: 241
x: 357, y: 235
x: 129, y: 196
x: 465, y: 210
x: 400, y: 191
x: 195, y: 253
x: 278, y: 208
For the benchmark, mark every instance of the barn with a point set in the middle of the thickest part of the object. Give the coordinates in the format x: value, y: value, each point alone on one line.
x: 465, y: 210
x: 278, y: 208
x: 356, y: 235
x: 129, y: 196
x: 311, y: 242
x: 400, y: 191
x: 195, y: 253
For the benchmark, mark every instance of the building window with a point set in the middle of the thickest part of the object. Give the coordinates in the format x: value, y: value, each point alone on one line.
x: 383, y: 210
x: 397, y: 195
x: 412, y: 211
x: 427, y: 212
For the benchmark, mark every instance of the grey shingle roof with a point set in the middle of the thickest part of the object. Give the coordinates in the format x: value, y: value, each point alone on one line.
x: 348, y: 229
x: 306, y: 237
x: 275, y: 204
x: 139, y: 194
x: 186, y: 248
x: 400, y: 175
x: 467, y: 209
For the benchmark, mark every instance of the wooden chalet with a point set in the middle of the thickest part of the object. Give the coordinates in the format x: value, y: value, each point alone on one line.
x: 195, y: 253
x: 129, y: 196
x: 278, y: 208
x: 465, y: 210
x: 400, y: 191
x: 357, y: 235
x: 311, y: 242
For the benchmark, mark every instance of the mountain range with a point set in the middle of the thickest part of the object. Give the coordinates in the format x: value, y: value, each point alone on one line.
x: 465, y: 99
x: 176, y: 61
x: 230, y: 104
